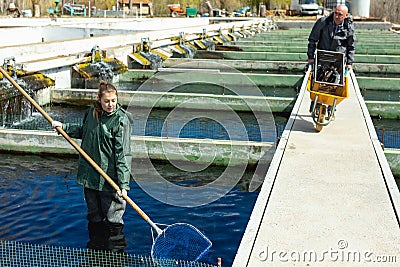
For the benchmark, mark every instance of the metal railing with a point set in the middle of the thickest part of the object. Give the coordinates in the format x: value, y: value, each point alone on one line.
x: 389, y: 138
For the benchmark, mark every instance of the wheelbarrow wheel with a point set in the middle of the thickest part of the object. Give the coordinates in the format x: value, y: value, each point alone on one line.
x: 321, y: 118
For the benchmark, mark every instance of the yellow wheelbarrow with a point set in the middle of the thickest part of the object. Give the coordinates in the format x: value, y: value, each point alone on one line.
x: 328, y: 86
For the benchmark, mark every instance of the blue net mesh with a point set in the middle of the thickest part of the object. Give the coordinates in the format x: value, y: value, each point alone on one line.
x: 17, y: 254
x: 179, y: 241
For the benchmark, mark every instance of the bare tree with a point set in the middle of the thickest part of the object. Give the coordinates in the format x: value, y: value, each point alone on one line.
x: 385, y: 9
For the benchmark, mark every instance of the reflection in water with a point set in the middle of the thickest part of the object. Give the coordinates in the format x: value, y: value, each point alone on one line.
x: 41, y: 203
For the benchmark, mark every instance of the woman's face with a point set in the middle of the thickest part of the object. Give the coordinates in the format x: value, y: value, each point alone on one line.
x: 108, y: 101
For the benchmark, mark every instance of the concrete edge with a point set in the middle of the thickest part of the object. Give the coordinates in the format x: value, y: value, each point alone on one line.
x: 242, y: 256
x: 393, y: 158
x: 172, y: 99
x: 358, y: 24
x: 216, y: 152
x: 112, y: 43
x: 387, y: 174
x: 385, y: 109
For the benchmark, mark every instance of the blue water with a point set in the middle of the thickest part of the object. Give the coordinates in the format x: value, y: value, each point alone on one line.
x: 388, y: 130
x: 40, y: 203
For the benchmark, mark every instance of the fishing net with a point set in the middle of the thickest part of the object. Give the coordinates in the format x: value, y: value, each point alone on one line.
x: 180, y: 241
x: 17, y: 254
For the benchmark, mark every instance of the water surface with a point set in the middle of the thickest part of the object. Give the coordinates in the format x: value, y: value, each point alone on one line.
x: 41, y: 203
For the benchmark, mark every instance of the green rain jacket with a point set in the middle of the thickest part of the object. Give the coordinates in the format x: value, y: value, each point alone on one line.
x: 107, y: 142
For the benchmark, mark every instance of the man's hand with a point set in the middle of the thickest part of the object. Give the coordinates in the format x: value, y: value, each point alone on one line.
x: 310, y: 61
x: 348, y: 67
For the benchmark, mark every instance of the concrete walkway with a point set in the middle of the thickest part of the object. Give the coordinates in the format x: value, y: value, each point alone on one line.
x: 329, y: 198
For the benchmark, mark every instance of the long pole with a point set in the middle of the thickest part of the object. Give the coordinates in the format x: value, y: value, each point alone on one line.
x: 81, y: 151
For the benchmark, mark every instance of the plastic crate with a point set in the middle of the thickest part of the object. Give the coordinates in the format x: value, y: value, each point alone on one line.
x: 191, y: 12
x: 329, y: 68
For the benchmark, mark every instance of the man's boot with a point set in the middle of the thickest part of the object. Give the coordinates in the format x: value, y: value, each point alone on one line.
x: 98, y: 236
x: 116, y: 240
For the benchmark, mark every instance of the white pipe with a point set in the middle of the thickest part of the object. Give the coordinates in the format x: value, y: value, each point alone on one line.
x: 360, y: 8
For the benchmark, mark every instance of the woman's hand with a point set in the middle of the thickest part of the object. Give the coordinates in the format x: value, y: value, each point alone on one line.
x: 122, y: 193
x: 55, y: 124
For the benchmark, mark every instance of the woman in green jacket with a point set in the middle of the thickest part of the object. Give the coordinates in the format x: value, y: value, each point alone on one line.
x: 105, y: 134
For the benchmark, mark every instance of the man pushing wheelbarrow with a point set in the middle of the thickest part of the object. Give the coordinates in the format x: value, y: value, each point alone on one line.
x: 328, y: 86
x: 331, y: 47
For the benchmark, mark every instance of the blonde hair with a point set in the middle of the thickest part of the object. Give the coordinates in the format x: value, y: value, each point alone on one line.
x: 104, y: 87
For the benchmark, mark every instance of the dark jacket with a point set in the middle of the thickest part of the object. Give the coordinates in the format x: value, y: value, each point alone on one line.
x: 107, y: 142
x: 322, y: 37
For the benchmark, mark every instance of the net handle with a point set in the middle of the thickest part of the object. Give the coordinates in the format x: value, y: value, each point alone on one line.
x: 81, y: 151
